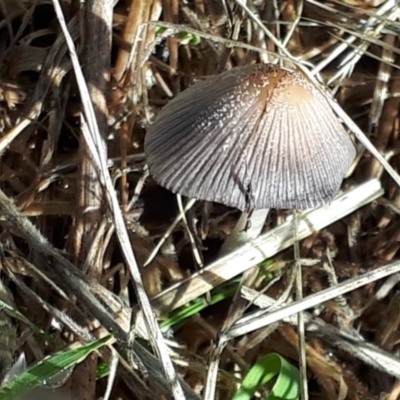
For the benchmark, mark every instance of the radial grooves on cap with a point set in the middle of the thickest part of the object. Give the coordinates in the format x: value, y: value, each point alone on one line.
x: 258, y: 132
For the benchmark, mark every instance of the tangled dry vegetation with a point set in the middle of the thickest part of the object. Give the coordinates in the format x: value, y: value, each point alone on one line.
x: 65, y: 267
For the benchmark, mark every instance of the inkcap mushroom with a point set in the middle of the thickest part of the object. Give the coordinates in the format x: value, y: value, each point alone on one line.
x: 254, y: 137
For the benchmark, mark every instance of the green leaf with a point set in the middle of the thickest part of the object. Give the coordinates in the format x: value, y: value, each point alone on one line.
x: 12, y: 312
x: 287, y: 379
x: 102, y: 370
x: 39, y: 374
x: 177, y: 317
x: 188, y: 38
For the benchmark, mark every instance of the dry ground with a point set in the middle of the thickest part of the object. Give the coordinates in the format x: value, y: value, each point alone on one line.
x: 84, y: 289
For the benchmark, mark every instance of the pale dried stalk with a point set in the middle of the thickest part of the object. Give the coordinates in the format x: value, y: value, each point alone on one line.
x: 93, y: 140
x: 265, y: 246
x: 258, y: 320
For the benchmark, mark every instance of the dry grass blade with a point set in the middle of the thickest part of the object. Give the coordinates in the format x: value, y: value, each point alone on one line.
x: 381, y: 88
x: 264, y: 247
x: 93, y: 140
x: 351, y: 343
x: 253, y: 322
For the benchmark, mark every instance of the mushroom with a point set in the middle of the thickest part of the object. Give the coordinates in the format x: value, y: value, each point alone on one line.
x: 254, y: 137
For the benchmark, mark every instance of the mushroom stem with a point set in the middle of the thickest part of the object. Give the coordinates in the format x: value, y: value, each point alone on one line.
x: 239, y: 236
x: 247, y: 229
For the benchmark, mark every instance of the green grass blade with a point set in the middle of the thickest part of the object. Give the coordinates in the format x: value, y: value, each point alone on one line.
x: 12, y: 312
x: 177, y: 317
x: 39, y: 374
x: 287, y: 379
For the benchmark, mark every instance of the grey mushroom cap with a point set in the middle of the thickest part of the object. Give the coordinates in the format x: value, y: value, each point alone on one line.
x: 258, y: 136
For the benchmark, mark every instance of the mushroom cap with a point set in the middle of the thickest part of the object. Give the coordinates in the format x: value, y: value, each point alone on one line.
x: 254, y: 137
